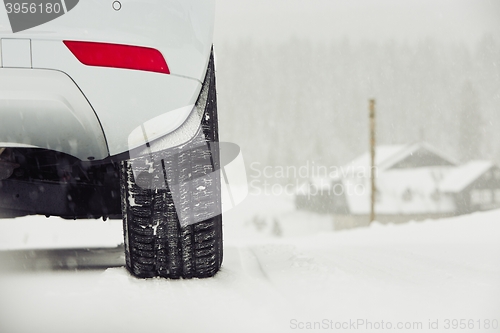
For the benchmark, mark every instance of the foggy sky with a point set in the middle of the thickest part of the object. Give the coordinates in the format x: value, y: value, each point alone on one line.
x: 377, y: 20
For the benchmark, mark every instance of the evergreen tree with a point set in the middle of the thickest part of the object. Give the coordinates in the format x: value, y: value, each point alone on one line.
x: 470, y: 126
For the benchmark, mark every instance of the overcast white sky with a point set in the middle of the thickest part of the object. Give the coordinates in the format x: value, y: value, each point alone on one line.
x: 377, y: 20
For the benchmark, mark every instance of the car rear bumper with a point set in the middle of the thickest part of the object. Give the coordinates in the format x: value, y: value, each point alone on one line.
x: 93, y: 116
x: 45, y: 109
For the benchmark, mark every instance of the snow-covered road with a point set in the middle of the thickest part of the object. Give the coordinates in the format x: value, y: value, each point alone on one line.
x: 413, y: 275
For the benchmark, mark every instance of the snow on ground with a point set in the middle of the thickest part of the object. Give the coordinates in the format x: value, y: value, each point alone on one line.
x: 282, y: 270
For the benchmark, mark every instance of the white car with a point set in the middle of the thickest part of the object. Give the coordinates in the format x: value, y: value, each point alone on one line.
x: 108, y: 109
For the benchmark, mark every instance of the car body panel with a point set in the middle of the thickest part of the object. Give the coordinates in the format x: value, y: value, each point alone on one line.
x: 181, y: 30
x: 45, y: 109
x: 119, y: 96
x: 124, y: 99
x: 17, y: 53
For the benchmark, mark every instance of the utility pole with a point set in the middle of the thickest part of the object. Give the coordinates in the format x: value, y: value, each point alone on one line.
x: 372, y: 160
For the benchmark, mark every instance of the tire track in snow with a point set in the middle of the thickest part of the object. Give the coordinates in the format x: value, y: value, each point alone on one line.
x: 251, y: 264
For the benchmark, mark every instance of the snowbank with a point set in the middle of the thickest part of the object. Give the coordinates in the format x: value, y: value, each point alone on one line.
x: 408, y: 274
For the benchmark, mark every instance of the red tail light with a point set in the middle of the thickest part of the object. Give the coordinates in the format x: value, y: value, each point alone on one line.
x: 118, y: 56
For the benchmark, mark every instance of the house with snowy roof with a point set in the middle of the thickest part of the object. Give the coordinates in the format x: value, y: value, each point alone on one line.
x: 414, y: 181
x: 407, y: 178
x: 473, y: 186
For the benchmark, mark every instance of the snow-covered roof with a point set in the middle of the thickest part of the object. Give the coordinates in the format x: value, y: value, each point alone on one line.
x: 464, y: 175
x: 382, y: 153
x: 412, y: 149
x: 386, y: 156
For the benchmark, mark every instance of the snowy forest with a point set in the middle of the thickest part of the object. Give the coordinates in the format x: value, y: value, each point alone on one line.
x: 288, y: 103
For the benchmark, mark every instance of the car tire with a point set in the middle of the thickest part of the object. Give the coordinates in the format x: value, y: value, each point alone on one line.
x: 156, y: 242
